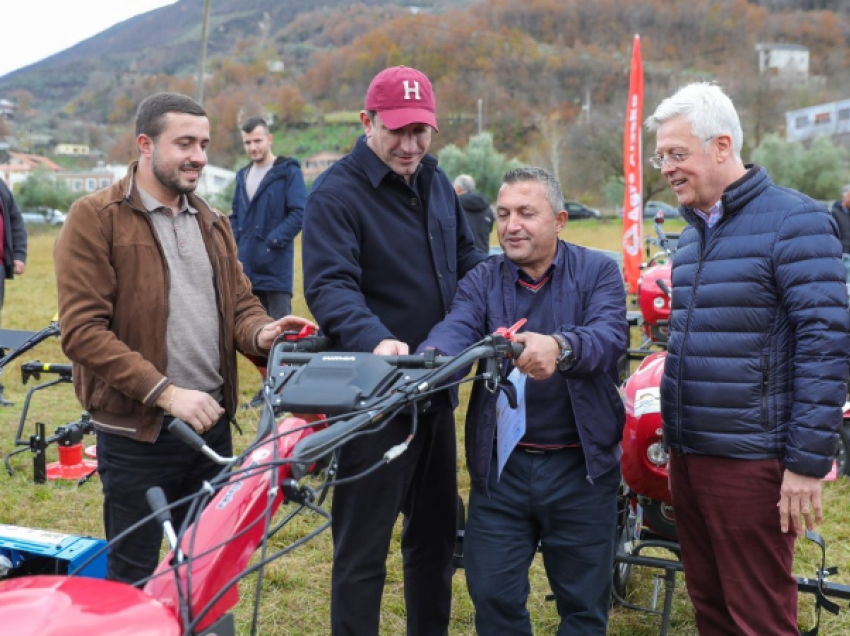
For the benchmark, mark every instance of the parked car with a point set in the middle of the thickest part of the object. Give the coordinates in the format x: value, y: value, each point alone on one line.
x: 44, y: 216
x: 652, y: 207
x: 576, y: 210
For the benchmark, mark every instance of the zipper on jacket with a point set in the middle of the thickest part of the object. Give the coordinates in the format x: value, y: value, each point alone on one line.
x: 685, y: 335
x: 765, y: 378
x: 556, y: 298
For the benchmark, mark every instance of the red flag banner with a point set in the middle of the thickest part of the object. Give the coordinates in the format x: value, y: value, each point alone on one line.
x: 633, y: 173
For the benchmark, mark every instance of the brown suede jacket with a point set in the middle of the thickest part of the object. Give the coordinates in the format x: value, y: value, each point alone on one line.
x: 112, y: 281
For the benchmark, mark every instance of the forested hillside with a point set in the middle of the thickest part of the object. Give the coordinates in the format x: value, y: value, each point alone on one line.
x: 540, y: 66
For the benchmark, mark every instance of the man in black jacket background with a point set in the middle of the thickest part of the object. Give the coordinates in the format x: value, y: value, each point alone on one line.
x: 13, y: 249
x: 477, y: 209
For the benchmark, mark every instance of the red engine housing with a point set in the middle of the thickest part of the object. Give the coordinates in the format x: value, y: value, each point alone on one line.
x: 652, y: 301
x: 643, y: 429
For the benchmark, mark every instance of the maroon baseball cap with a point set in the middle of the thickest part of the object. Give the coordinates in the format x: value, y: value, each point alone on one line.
x: 402, y: 95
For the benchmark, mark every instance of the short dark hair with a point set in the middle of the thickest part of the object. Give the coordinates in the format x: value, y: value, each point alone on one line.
x: 150, y: 116
x: 252, y: 123
x: 554, y: 193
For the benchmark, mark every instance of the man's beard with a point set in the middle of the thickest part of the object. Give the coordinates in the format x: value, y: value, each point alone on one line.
x: 172, y: 181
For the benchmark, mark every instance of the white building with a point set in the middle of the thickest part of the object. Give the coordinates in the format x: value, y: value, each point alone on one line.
x: 784, y: 65
x: 830, y: 119
x: 214, y: 180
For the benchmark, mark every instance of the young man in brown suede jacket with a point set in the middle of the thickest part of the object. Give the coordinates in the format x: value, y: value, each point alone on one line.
x: 153, y: 306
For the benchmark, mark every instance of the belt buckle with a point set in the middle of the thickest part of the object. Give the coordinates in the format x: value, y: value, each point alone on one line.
x: 533, y: 451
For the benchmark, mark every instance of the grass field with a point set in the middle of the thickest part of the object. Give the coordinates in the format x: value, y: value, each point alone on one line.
x: 295, y: 601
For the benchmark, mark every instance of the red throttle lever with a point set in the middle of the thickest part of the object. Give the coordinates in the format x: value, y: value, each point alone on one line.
x: 510, y: 332
x: 305, y: 332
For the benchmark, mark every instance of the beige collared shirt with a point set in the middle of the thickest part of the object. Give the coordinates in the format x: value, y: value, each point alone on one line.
x: 194, y: 358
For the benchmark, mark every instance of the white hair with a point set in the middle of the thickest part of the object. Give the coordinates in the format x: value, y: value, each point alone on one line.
x: 707, y: 108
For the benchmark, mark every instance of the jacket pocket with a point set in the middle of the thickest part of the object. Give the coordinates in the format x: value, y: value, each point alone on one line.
x: 448, y: 227
x: 261, y: 258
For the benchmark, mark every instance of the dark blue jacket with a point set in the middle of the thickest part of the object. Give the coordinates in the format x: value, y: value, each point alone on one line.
x: 589, y: 304
x: 266, y: 226
x: 14, y: 233
x: 364, y: 228
x: 758, y: 347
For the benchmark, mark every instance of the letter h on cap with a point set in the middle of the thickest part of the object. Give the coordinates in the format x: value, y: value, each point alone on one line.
x: 408, y: 90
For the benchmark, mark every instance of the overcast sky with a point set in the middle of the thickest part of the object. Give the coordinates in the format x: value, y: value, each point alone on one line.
x: 36, y: 29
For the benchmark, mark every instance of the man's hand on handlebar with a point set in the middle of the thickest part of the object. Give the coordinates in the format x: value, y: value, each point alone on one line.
x: 267, y: 334
x: 391, y: 348
x: 539, y: 360
x: 197, y: 408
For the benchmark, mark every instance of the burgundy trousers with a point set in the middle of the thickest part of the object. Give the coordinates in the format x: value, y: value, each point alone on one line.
x: 737, y: 561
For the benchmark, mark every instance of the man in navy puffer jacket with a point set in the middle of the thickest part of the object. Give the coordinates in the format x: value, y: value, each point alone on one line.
x: 756, y: 373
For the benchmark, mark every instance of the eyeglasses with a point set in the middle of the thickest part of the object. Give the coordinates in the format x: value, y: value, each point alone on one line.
x: 673, y: 158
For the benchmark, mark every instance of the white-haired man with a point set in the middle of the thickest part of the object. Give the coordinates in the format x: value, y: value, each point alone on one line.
x: 756, y: 371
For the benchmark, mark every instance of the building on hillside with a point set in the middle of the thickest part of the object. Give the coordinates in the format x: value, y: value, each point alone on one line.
x: 20, y: 165
x: 7, y: 109
x: 314, y: 165
x: 784, y: 65
x: 86, y: 181
x: 831, y: 119
x: 75, y: 150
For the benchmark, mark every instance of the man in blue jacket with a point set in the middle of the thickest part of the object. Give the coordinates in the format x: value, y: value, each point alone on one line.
x: 385, y: 243
x: 548, y: 473
x: 755, y: 377
x: 268, y: 207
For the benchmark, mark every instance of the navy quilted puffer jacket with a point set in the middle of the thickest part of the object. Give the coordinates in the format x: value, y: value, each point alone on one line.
x: 758, y: 349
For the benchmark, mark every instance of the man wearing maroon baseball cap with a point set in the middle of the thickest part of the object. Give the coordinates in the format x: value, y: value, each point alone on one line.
x: 385, y: 242
x: 402, y: 95
x: 398, y: 119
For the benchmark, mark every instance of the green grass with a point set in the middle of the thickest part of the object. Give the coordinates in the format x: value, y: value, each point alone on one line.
x: 295, y: 601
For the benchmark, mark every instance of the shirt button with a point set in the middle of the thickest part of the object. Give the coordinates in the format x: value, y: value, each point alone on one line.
x: 413, y: 202
x: 182, y: 243
x: 439, y: 275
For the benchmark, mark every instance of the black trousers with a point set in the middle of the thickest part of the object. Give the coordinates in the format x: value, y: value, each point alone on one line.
x: 276, y: 304
x: 128, y: 469
x: 421, y: 484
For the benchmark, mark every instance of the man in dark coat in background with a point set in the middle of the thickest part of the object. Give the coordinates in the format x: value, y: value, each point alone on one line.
x: 478, y: 212
x: 13, y: 249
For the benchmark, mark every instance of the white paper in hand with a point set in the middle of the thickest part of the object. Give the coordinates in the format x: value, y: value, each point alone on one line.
x: 510, y: 423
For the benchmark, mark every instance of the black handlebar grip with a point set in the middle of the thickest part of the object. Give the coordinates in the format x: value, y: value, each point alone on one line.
x: 323, y: 442
x: 159, y: 504
x: 663, y: 286
x: 310, y: 344
x: 187, y: 434
x: 516, y: 349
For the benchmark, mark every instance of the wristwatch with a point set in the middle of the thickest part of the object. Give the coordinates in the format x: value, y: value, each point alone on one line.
x: 565, y: 357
